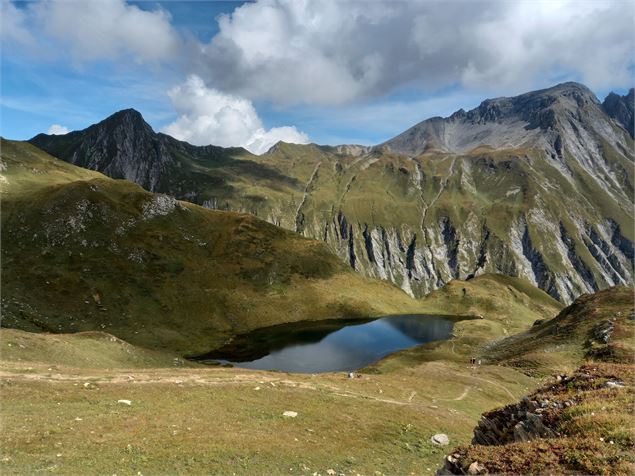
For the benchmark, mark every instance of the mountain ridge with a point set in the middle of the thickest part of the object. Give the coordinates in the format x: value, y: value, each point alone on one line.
x: 545, y: 164
x: 536, y: 109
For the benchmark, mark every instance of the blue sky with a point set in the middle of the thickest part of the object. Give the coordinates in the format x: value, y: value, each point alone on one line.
x: 328, y: 72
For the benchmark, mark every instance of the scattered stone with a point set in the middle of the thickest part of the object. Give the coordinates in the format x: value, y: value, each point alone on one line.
x: 290, y: 414
x: 476, y: 468
x: 351, y: 375
x: 257, y: 388
x: 602, y: 331
x: 440, y: 439
x: 331, y: 472
x: 125, y: 402
x: 613, y: 384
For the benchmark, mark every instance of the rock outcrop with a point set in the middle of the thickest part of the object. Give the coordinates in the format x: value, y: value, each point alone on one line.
x: 621, y: 109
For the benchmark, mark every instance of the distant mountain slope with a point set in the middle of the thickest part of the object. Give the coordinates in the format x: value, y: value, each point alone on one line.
x: 124, y: 146
x: 83, y: 252
x: 538, y: 186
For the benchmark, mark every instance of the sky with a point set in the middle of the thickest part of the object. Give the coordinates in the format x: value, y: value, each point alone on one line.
x: 330, y: 72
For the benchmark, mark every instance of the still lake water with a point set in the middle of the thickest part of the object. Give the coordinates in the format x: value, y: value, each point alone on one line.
x: 330, y: 346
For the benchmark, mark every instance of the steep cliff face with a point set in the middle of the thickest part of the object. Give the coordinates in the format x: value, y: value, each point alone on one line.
x: 538, y: 186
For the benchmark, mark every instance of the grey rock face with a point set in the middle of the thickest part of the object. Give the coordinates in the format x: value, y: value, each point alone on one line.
x: 122, y: 146
x: 621, y: 109
x: 515, y: 423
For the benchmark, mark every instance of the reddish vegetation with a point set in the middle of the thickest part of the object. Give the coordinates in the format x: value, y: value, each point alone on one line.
x: 577, y: 424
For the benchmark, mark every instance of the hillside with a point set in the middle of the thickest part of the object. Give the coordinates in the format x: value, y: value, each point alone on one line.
x: 599, y: 326
x: 538, y: 186
x: 94, y: 350
x: 581, y: 422
x: 82, y: 252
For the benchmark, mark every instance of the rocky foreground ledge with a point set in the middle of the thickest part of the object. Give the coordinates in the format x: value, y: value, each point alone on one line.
x: 575, y: 424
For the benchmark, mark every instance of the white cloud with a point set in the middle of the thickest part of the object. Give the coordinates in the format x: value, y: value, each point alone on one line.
x: 58, y: 130
x: 208, y: 116
x: 97, y: 29
x: 13, y: 25
x: 332, y: 52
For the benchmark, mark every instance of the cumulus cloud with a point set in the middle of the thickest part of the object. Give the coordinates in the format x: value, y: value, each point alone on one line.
x: 208, y: 116
x: 98, y: 29
x: 58, y: 129
x: 331, y: 52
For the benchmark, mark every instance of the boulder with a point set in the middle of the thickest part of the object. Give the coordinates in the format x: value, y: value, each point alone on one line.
x: 440, y: 439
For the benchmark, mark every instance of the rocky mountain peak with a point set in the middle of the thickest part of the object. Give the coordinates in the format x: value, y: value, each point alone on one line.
x: 508, y: 122
x: 128, y: 120
x: 122, y: 146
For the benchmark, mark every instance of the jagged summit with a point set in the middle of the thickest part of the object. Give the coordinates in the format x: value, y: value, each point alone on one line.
x: 621, y: 109
x: 123, y: 145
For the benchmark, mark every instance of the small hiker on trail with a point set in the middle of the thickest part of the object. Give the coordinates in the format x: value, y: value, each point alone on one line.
x: 473, y: 361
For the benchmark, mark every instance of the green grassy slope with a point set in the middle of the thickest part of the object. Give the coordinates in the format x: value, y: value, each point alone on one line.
x: 85, y: 252
x: 94, y: 350
x: 219, y: 421
x: 561, y: 344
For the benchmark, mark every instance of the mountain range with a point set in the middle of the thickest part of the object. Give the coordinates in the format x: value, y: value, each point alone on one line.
x: 538, y: 186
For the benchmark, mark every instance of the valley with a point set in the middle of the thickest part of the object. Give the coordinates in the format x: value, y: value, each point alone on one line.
x: 465, y: 275
x: 58, y: 404
x: 317, y: 237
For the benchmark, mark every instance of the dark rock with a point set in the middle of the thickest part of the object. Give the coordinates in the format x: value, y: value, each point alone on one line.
x: 621, y: 109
